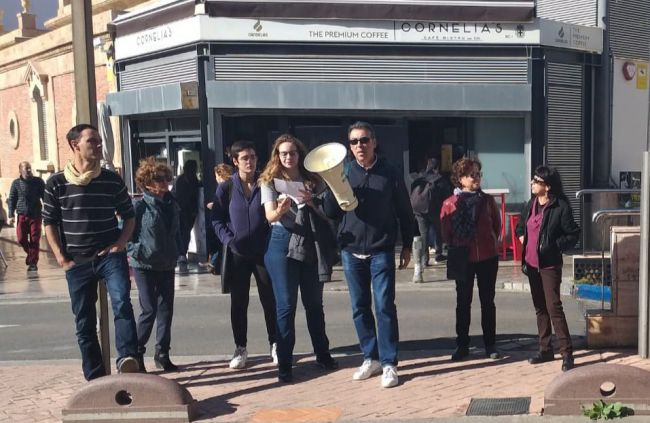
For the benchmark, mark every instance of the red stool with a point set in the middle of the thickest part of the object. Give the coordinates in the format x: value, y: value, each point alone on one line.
x: 515, y: 245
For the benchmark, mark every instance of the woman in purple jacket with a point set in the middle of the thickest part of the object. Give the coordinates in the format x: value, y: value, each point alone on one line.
x: 239, y: 222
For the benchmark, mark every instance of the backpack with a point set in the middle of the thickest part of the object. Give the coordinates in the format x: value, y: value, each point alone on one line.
x: 422, y: 196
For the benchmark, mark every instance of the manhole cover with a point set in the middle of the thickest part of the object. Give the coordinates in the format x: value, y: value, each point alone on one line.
x: 498, y: 406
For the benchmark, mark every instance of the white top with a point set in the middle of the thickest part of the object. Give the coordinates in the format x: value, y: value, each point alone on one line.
x: 493, y: 191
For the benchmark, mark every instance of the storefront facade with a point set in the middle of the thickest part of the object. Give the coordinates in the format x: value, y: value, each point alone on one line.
x: 491, y: 82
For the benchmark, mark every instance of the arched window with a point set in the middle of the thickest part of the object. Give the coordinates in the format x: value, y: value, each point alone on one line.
x: 41, y: 117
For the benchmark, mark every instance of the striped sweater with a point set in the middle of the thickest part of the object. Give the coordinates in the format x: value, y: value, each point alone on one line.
x: 86, y: 215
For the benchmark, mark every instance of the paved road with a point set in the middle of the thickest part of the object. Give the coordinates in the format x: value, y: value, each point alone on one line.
x: 44, y: 329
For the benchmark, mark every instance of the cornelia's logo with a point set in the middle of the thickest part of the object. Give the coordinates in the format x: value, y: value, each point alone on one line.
x: 560, y: 33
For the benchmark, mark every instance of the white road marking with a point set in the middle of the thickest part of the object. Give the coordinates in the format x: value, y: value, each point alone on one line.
x: 8, y: 326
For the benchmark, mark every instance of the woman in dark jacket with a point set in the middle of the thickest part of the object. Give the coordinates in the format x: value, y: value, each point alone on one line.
x: 152, y: 254
x: 470, y: 218
x: 546, y: 229
x: 239, y: 222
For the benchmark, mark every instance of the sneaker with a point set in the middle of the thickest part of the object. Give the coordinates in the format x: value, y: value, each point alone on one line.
x: 274, y: 353
x: 389, y: 377
x: 128, y: 365
x: 441, y: 258
x: 239, y: 358
x: 460, y: 353
x: 32, y: 268
x: 140, y: 359
x: 492, y: 352
x: 417, y: 277
x: 367, y: 369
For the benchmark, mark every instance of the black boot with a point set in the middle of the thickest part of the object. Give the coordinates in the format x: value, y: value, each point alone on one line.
x: 140, y: 359
x: 285, y: 374
x: 567, y: 362
x: 326, y: 362
x: 541, y: 357
x: 162, y: 361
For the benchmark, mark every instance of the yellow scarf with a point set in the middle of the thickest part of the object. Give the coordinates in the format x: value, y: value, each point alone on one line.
x: 73, y: 176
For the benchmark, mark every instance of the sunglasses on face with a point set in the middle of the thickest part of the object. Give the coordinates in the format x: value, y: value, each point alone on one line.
x: 161, y: 178
x: 362, y: 140
x: 538, y: 181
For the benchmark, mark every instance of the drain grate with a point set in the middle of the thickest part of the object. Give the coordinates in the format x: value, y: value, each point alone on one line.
x: 498, y: 406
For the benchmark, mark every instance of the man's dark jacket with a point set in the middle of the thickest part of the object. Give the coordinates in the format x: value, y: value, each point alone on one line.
x: 25, y: 197
x: 383, y: 203
x: 559, y: 231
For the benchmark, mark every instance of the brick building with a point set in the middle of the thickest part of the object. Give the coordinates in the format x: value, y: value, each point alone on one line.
x: 37, y: 103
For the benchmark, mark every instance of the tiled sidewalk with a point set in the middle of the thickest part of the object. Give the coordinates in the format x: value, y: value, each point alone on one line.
x: 430, y: 387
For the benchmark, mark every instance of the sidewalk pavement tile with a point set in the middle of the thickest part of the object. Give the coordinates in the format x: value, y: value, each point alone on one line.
x: 431, y: 386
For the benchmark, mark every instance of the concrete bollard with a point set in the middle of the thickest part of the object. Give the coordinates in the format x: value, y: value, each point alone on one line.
x: 585, y: 385
x: 132, y: 397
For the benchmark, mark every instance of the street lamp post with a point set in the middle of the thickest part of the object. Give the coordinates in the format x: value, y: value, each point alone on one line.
x: 86, y: 100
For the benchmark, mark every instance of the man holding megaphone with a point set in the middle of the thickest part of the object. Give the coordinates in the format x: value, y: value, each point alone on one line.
x: 367, y: 235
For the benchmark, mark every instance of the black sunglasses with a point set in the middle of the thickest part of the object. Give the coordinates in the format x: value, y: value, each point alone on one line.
x: 161, y: 178
x: 362, y: 140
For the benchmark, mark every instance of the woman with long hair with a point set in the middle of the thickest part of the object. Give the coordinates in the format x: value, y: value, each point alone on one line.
x: 471, y: 223
x: 546, y: 229
x: 152, y: 254
x: 289, y: 274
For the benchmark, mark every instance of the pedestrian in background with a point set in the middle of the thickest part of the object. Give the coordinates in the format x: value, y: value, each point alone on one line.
x: 186, y: 191
x: 152, y: 255
x: 80, y: 212
x: 289, y: 274
x: 222, y: 172
x: 25, y: 197
x: 428, y: 191
x: 239, y: 222
x: 471, y: 225
x: 546, y: 230
x: 367, y: 236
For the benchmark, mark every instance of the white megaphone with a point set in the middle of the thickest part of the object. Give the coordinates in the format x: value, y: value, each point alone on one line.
x: 327, y: 161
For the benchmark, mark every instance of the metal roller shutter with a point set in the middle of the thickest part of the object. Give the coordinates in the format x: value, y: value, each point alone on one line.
x: 370, y: 69
x: 153, y: 74
x: 564, y: 122
x: 629, y: 28
x: 577, y: 12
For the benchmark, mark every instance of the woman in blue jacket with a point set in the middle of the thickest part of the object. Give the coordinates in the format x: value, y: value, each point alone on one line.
x: 152, y: 254
x: 239, y: 222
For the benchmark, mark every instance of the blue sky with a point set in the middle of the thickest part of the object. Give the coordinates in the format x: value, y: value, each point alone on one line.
x: 43, y: 9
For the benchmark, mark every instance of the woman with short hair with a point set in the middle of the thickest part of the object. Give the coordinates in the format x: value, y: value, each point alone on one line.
x: 470, y: 220
x: 152, y: 254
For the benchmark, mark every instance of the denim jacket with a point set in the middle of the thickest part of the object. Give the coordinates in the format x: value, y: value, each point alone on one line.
x: 153, y: 244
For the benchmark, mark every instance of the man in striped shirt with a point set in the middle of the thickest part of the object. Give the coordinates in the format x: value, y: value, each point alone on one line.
x: 79, y: 214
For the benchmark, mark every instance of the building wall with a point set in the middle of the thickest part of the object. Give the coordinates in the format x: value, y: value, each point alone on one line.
x: 46, y: 57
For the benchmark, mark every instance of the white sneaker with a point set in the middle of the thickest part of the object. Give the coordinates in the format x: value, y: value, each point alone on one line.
x: 274, y: 353
x: 389, y: 378
x: 367, y: 369
x: 239, y: 358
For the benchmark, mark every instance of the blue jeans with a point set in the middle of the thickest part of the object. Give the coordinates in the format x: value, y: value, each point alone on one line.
x: 287, y: 275
x: 82, y: 285
x: 370, y: 278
